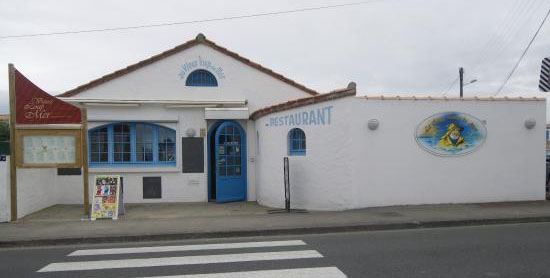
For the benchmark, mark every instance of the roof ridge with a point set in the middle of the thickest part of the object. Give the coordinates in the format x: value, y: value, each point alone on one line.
x: 445, y: 98
x: 350, y: 90
x: 200, y: 39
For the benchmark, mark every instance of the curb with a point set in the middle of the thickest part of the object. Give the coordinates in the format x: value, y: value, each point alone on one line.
x: 273, y: 232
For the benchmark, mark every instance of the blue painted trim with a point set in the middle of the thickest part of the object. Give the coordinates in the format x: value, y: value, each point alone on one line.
x: 208, y: 146
x: 195, y: 79
x: 110, y: 143
x: 138, y: 164
x: 290, y: 139
x: 244, y: 162
x: 155, y: 144
x: 133, y: 157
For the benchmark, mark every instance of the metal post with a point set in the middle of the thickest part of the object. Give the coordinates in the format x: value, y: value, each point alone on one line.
x: 286, y: 172
x: 84, y: 139
x: 13, y: 167
x: 461, y: 74
x: 287, y: 183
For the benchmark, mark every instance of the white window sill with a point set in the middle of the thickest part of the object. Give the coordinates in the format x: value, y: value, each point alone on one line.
x: 134, y: 170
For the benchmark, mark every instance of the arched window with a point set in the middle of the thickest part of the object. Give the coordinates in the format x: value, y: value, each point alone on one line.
x: 132, y: 144
x: 201, y: 78
x: 296, y: 142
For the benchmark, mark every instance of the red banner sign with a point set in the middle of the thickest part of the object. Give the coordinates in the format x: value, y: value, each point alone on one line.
x: 34, y: 106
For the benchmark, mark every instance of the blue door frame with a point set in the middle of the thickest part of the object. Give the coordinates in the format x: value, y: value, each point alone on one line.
x: 228, y: 170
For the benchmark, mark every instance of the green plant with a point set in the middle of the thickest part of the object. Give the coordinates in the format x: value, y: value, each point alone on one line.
x: 4, y: 131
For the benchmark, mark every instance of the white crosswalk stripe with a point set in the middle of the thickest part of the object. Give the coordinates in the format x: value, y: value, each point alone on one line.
x: 159, y: 261
x: 317, y: 272
x: 187, y: 260
x: 158, y: 249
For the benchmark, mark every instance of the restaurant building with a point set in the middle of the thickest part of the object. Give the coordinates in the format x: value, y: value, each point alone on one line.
x: 200, y: 123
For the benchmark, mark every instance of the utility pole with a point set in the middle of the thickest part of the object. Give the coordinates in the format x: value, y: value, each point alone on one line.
x: 461, y: 74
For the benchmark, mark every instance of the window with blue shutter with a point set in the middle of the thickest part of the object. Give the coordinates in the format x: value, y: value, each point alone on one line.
x: 201, y: 78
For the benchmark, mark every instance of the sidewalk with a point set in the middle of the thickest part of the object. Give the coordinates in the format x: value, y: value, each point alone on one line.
x: 62, y: 224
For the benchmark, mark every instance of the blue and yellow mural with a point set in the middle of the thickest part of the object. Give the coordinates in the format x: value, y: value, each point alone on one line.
x: 450, y: 134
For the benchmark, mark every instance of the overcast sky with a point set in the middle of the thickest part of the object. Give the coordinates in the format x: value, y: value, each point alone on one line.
x: 387, y: 47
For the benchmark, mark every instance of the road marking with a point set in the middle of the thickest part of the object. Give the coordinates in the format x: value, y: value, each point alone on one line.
x: 317, y: 272
x: 187, y: 260
x: 176, y: 248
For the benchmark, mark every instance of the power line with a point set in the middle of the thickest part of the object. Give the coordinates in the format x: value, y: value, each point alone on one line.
x: 190, y: 22
x: 523, y: 54
x: 500, y: 38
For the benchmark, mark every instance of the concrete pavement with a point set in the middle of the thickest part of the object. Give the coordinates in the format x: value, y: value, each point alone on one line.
x: 64, y: 224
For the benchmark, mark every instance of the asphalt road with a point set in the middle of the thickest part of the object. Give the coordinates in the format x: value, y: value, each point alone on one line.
x: 521, y: 250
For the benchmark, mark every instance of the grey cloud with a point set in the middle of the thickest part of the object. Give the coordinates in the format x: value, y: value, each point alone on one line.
x: 387, y: 47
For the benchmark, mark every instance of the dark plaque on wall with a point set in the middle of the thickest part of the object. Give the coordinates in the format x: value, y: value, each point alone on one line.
x: 69, y: 171
x: 152, y: 188
x: 192, y: 155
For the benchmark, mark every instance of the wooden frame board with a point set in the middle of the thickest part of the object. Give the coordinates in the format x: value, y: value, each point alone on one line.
x: 21, y: 133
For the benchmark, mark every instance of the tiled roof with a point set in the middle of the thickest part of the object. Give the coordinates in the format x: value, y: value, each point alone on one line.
x: 349, y: 91
x: 408, y: 97
x: 200, y: 39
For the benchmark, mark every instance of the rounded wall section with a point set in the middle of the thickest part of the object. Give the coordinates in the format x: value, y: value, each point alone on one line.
x: 319, y: 179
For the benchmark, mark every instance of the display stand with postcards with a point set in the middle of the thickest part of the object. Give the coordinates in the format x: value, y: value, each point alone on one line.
x: 106, y: 197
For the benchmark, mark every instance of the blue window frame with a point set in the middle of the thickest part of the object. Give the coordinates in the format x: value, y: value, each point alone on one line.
x: 201, y: 78
x: 99, y: 145
x: 296, y: 142
x: 132, y: 144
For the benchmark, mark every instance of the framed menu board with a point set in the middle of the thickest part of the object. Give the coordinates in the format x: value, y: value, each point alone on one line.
x: 106, y: 196
x: 49, y: 148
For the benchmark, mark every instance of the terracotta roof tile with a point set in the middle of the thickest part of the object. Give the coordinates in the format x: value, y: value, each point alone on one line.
x: 349, y: 91
x: 200, y: 39
x: 474, y: 98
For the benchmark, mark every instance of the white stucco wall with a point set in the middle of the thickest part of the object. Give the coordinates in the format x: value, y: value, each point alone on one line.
x: 322, y: 179
x: 69, y: 189
x: 36, y: 190
x: 176, y: 186
x: 349, y: 166
x: 5, y: 199
x: 161, y: 80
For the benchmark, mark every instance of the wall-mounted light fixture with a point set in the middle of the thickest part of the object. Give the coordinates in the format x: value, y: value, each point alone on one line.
x: 190, y: 132
x: 373, y: 124
x: 530, y: 123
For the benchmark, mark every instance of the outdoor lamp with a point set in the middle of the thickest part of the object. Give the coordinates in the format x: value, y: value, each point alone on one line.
x: 190, y: 132
x: 530, y: 123
x: 373, y: 124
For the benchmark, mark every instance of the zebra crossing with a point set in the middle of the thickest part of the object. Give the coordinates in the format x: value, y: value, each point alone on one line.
x: 89, y: 261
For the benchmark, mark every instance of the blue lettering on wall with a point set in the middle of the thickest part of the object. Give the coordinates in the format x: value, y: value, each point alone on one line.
x: 319, y: 116
x: 188, y: 67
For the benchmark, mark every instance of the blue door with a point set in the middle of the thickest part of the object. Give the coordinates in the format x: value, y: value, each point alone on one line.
x: 230, y: 154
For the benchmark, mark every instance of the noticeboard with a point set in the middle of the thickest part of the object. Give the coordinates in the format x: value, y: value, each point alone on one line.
x: 43, y: 148
x: 106, y: 197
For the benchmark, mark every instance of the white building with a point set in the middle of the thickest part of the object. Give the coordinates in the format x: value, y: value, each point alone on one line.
x: 200, y: 123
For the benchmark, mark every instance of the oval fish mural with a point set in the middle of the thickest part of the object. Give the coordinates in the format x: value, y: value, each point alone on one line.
x: 450, y: 134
